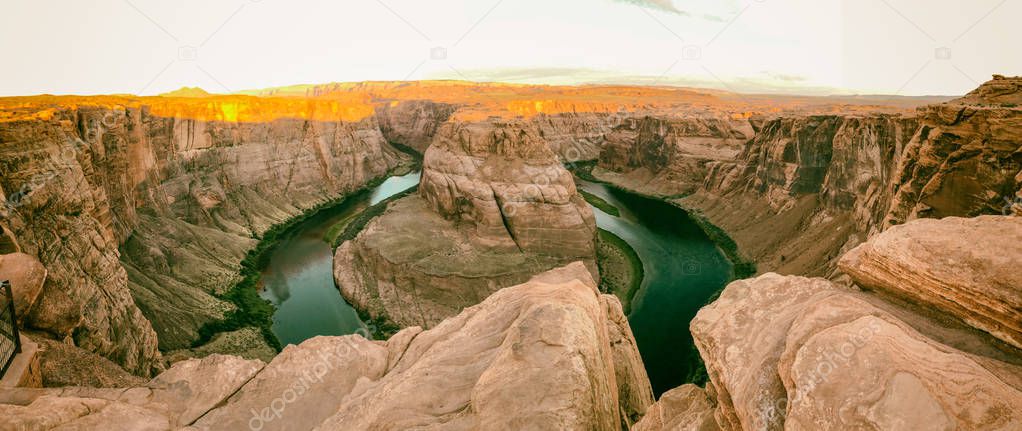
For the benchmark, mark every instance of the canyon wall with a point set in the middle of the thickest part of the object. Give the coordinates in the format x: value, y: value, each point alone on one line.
x: 552, y: 353
x: 142, y: 218
x: 413, y: 123
x: 671, y: 156
x: 804, y: 189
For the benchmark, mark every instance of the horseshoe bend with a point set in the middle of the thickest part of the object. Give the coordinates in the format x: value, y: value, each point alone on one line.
x: 457, y: 254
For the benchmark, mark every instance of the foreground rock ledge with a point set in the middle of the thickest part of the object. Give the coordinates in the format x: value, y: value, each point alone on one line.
x: 548, y: 354
x: 967, y: 267
x: 786, y: 352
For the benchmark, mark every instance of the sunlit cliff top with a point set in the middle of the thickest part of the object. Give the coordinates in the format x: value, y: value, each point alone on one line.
x: 474, y: 102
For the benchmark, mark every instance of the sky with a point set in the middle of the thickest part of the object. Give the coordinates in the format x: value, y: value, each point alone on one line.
x: 906, y: 47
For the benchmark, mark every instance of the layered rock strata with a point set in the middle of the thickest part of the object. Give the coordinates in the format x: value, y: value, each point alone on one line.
x: 413, y: 123
x: 549, y: 354
x: 126, y: 208
x: 965, y: 267
x: 670, y: 156
x: 796, y: 352
x: 822, y: 184
x: 494, y: 206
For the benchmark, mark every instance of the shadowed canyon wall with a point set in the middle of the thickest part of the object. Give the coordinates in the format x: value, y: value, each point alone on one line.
x: 804, y: 189
x: 127, y: 207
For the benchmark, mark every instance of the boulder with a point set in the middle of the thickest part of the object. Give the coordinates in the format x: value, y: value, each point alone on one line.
x: 685, y: 408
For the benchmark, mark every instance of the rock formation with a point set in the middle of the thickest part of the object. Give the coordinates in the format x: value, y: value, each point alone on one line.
x: 685, y: 408
x: 413, y: 123
x: 125, y: 202
x: 549, y: 354
x: 27, y: 277
x: 507, y: 182
x: 128, y: 202
x: 670, y: 156
x: 806, y: 353
x: 966, y: 267
x: 494, y: 207
x: 822, y: 184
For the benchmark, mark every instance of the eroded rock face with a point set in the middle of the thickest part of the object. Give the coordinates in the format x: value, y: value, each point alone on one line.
x: 123, y: 206
x: 506, y: 181
x: 793, y: 352
x: 494, y: 207
x: 413, y: 123
x: 824, y: 183
x: 818, y: 184
x: 26, y: 276
x: 548, y: 354
x: 670, y: 156
x: 966, y: 267
x: 1001, y: 90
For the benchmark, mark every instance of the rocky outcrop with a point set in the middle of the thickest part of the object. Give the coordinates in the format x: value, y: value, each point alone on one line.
x: 548, y: 354
x: 494, y: 206
x: 797, y: 352
x: 966, y: 267
x: 1000, y: 91
x: 66, y: 365
x: 174, y: 399
x: 790, y: 352
x: 128, y: 202
x: 508, y: 183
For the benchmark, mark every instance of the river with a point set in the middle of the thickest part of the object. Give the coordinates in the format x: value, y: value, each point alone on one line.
x: 683, y: 269
x: 299, y: 279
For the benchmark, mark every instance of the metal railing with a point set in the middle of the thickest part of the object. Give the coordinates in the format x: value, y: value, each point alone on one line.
x: 10, y: 342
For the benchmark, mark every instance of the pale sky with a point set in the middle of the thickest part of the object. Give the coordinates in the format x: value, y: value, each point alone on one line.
x: 909, y: 47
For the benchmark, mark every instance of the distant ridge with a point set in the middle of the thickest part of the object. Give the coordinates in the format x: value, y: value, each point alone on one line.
x: 187, y: 92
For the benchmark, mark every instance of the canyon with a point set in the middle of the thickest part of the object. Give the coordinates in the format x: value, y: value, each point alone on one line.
x: 883, y: 224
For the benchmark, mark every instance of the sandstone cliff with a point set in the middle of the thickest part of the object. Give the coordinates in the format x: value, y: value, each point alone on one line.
x: 495, y: 205
x: 134, y: 201
x: 670, y: 156
x: 413, y: 123
x: 821, y: 184
x: 549, y: 354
